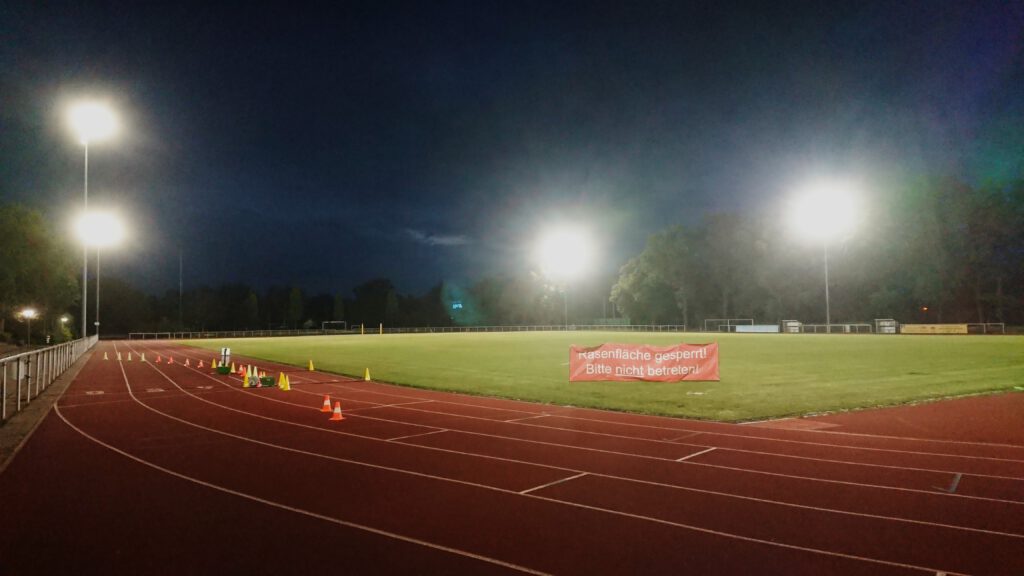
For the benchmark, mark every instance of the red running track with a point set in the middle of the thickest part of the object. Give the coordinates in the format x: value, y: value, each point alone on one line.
x: 154, y: 468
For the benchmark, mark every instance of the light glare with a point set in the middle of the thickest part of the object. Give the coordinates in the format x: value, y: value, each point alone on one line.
x: 564, y: 253
x: 99, y: 229
x: 92, y: 121
x: 825, y: 211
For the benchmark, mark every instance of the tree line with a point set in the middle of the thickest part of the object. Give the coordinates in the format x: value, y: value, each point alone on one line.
x: 935, y: 251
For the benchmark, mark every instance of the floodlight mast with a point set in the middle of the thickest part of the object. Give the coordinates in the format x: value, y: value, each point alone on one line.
x: 563, y: 254
x: 99, y: 229
x: 91, y: 121
x: 28, y: 314
x: 824, y: 212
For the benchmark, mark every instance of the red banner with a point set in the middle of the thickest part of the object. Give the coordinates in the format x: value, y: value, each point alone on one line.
x: 624, y: 362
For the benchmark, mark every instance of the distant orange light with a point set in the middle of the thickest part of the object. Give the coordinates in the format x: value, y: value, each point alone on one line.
x: 924, y: 308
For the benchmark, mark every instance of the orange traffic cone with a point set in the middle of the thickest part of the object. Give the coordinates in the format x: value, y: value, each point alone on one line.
x: 158, y: 360
x: 170, y: 359
x: 187, y: 363
x: 337, y: 412
x: 200, y: 364
x: 327, y: 404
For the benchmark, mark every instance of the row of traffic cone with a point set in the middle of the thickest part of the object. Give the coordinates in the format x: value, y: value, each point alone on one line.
x: 336, y: 413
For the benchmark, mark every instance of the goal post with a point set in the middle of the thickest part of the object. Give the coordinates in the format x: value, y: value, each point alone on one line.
x: 726, y: 324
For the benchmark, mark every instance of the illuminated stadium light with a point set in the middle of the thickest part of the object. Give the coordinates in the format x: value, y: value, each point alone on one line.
x: 99, y: 230
x: 28, y: 314
x: 826, y: 211
x: 564, y: 253
x: 92, y: 121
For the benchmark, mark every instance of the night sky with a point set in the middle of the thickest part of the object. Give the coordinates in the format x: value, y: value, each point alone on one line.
x: 324, y: 146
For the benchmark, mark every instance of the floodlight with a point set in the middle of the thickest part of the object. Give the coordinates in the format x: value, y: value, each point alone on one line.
x: 92, y: 121
x: 28, y: 314
x: 564, y: 253
x: 99, y: 229
x: 825, y: 210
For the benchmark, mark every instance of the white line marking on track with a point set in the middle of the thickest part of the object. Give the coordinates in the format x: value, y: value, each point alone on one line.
x: 526, y: 418
x: 556, y: 501
x: 280, y: 506
x: 382, y: 405
x: 684, y: 437
x: 717, y: 466
x: 417, y: 435
x: 647, y: 482
x: 535, y: 488
x: 685, y: 458
x: 952, y: 487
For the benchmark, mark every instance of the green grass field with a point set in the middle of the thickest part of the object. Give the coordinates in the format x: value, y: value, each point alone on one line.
x: 763, y: 375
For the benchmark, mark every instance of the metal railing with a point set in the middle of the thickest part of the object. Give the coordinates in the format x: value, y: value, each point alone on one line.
x: 27, y: 375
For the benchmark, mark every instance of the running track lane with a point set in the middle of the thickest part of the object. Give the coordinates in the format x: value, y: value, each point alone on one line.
x: 551, y: 536
x: 169, y: 439
x: 961, y: 541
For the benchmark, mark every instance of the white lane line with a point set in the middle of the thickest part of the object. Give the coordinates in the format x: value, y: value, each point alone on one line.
x: 300, y: 511
x: 634, y: 480
x: 683, y: 420
x: 952, y: 487
x: 535, y: 488
x: 381, y: 405
x: 704, y: 444
x: 502, y: 490
x: 598, y: 450
x: 685, y: 458
x: 684, y: 437
x: 418, y: 435
x: 526, y: 418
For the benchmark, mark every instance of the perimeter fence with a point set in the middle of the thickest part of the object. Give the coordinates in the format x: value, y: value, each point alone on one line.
x: 357, y: 329
x: 29, y: 374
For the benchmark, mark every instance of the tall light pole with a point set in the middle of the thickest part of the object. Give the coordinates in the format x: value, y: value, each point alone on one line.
x: 28, y: 314
x: 564, y: 253
x: 826, y: 211
x: 91, y: 121
x: 99, y: 229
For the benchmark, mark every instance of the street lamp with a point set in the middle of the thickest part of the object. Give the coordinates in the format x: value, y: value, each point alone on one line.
x: 91, y: 121
x: 28, y: 314
x: 99, y: 229
x: 564, y: 253
x: 826, y: 211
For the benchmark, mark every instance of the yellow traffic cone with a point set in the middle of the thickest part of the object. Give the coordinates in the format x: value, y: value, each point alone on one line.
x: 118, y: 356
x: 311, y: 366
x: 367, y: 375
x: 233, y: 371
x: 129, y: 356
x: 280, y: 380
x: 245, y: 380
x: 142, y: 357
x: 287, y: 383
